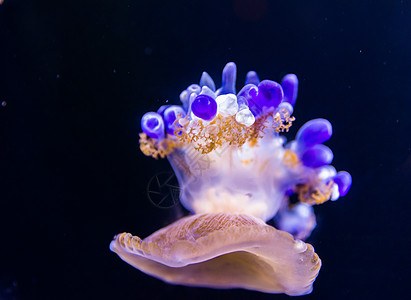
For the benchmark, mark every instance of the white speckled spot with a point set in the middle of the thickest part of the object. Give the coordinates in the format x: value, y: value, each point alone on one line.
x: 245, y: 117
x: 300, y: 246
x: 227, y: 105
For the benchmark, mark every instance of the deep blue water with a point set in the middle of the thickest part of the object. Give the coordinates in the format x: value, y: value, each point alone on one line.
x: 76, y: 77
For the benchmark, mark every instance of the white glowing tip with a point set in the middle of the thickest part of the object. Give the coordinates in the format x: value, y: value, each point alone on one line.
x: 227, y: 105
x: 335, y: 193
x: 326, y: 172
x: 245, y: 116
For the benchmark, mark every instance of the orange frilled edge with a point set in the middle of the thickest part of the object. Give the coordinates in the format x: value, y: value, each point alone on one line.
x: 208, y: 136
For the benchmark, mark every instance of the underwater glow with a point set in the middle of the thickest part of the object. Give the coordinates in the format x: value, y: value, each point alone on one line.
x: 235, y: 173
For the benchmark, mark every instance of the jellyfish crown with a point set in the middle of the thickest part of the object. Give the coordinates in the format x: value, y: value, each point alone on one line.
x: 235, y: 172
x: 227, y: 151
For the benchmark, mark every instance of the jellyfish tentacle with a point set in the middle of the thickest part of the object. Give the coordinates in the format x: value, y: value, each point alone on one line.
x: 153, y: 125
x: 207, y: 81
x: 252, y: 78
x: 290, y: 87
x: 229, y: 79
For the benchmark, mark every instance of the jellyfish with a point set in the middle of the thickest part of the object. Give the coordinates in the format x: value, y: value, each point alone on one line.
x: 236, y: 173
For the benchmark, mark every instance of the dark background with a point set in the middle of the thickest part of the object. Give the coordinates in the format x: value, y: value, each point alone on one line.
x: 76, y: 77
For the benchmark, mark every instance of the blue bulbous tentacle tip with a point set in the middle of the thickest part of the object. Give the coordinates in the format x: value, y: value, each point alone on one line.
x: 152, y: 124
x: 245, y: 98
x: 290, y: 87
x: 270, y: 94
x: 194, y: 88
x: 170, y: 115
x: 207, y: 81
x: 317, y: 156
x: 344, y: 180
x: 229, y: 79
x: 252, y: 78
x: 161, y: 110
x: 204, y: 107
x: 314, y: 132
x: 249, y: 91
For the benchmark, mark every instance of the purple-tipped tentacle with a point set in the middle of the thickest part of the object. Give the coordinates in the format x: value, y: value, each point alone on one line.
x: 290, y: 88
x: 153, y: 125
x: 252, y: 78
x: 204, y: 107
x: 161, y: 110
x: 314, y: 132
x: 184, y: 98
x: 343, y: 180
x: 194, y: 88
x: 317, y: 156
x: 229, y: 78
x: 170, y: 115
x: 249, y: 92
x: 207, y: 81
x: 270, y: 94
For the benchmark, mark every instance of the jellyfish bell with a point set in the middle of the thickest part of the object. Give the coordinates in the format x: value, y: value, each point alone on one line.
x: 236, y: 172
x: 223, y: 250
